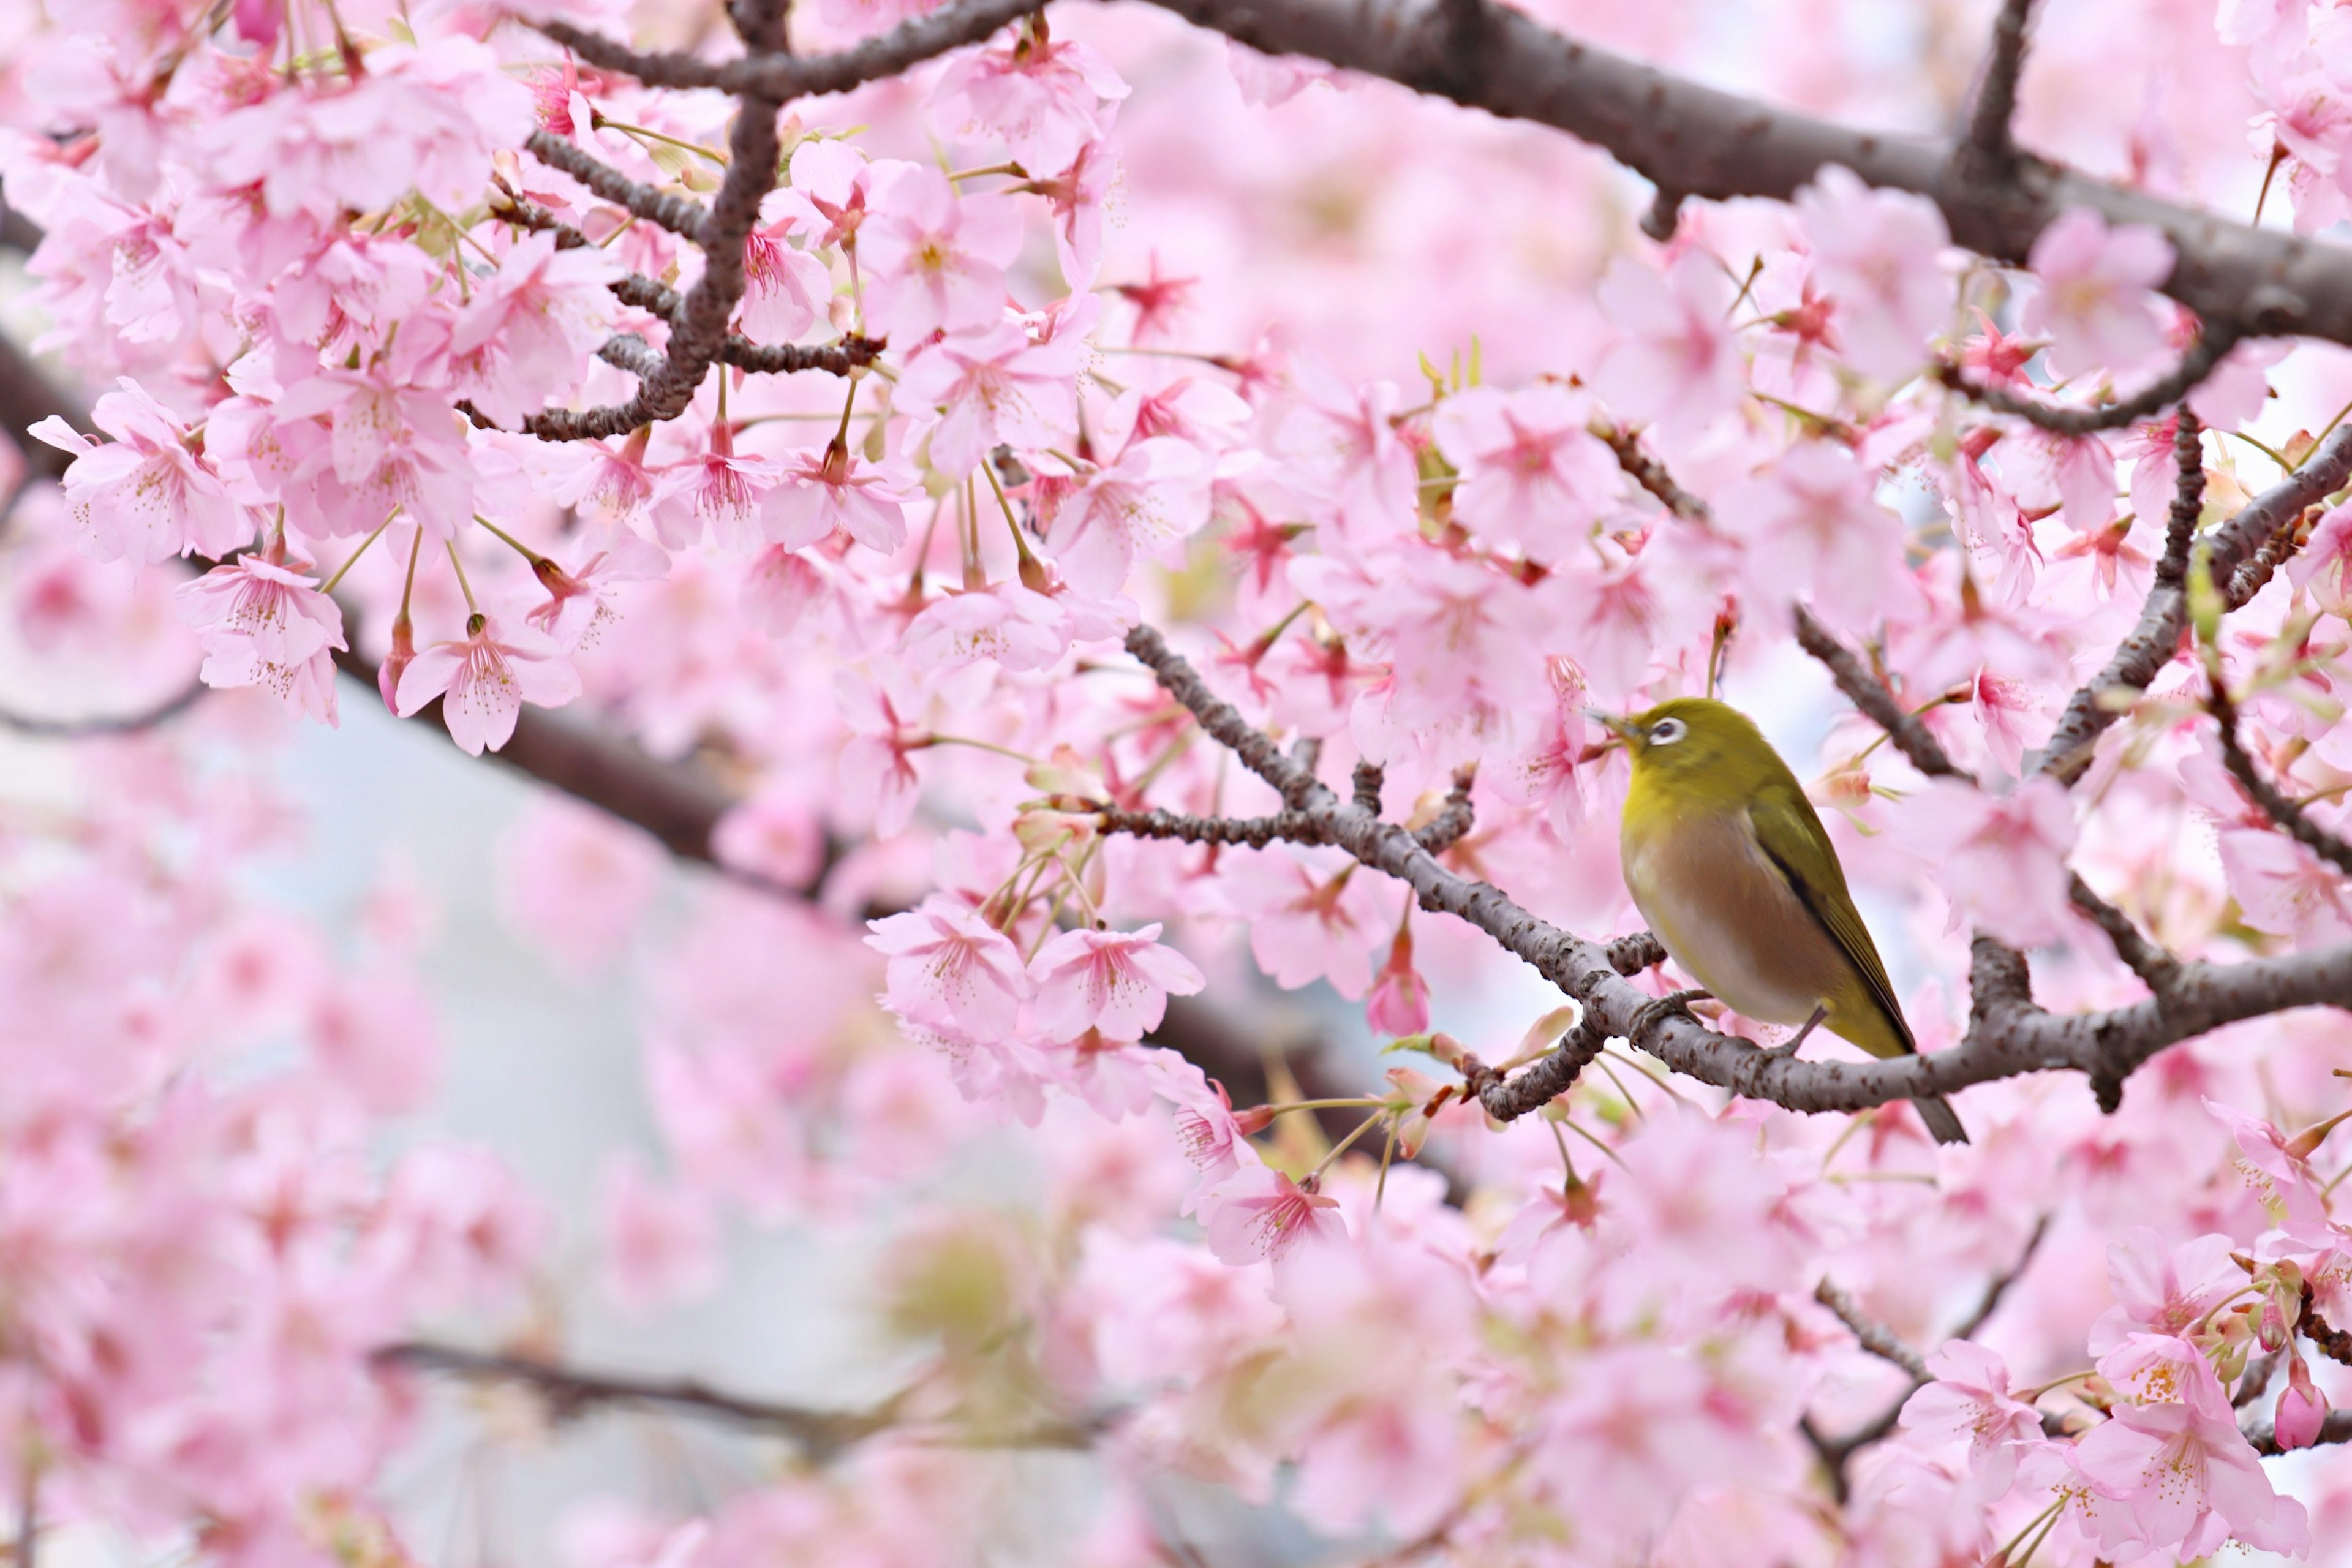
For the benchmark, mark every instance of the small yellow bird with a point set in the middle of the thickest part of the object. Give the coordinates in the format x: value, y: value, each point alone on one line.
x: 1726, y: 861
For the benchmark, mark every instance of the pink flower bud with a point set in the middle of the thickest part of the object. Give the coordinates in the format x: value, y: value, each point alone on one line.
x: 396, y: 663
x: 2301, y: 1408
x: 1399, y: 1004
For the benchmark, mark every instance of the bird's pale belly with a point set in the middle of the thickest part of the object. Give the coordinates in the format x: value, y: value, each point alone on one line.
x: 1730, y: 919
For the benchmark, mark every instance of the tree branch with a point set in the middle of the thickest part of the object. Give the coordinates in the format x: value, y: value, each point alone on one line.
x: 1991, y: 150
x: 782, y: 77
x: 2288, y: 815
x: 2156, y: 637
x: 680, y: 214
x: 41, y: 728
x: 821, y: 1434
x: 1697, y: 141
x: 2208, y: 352
x: 1872, y: 1336
x: 636, y: 289
x: 2007, y: 1034
x: 699, y: 327
x: 1867, y: 692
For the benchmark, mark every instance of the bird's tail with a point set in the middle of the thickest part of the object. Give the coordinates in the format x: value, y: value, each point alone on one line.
x: 1943, y: 1121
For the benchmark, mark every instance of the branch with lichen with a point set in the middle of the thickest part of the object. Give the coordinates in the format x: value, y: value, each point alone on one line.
x: 2007, y: 1034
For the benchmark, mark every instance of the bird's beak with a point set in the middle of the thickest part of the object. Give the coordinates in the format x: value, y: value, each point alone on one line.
x: 1620, y: 728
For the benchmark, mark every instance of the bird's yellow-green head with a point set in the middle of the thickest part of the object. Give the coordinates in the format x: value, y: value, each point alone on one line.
x: 1695, y: 752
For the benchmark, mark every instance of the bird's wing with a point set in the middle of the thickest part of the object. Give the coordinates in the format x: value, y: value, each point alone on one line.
x: 1793, y: 839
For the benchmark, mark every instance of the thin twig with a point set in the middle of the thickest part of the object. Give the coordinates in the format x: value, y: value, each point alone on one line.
x: 2155, y: 639
x: 42, y: 728
x: 2196, y: 364
x: 570, y: 1391
x: 2288, y: 815
x: 1872, y: 1335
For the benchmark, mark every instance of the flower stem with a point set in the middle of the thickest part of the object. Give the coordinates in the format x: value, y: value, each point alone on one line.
x: 525, y: 551
x: 604, y: 122
x: 353, y: 560
x: 1341, y: 1146
x: 463, y: 586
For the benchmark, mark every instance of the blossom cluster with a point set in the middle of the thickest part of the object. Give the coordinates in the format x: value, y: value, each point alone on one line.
x: 337, y: 262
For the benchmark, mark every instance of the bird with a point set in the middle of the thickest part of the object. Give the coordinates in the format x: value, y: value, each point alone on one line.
x: 1730, y: 866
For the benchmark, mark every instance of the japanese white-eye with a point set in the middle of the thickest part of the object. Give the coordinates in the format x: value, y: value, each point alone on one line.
x: 1736, y: 876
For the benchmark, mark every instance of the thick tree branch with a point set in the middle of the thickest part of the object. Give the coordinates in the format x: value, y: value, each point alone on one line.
x: 1697, y: 141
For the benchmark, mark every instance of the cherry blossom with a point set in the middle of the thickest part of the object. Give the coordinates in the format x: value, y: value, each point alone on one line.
x: 2000, y: 859
x: 1259, y: 1215
x: 2092, y: 302
x: 1676, y: 361
x: 264, y: 622
x: 523, y: 335
x: 1879, y: 255
x: 484, y: 679
x: 150, y: 494
x: 1532, y: 472
x: 933, y: 259
x: 1117, y: 982
x: 953, y: 971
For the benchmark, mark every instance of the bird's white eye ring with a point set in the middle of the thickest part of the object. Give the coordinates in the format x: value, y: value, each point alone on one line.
x: 1666, y: 731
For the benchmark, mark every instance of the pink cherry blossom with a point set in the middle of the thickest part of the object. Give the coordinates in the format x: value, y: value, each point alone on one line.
x: 1817, y: 530
x: 264, y: 623
x: 1970, y: 1398
x: 2160, y: 1290
x: 1879, y: 254
x: 1116, y: 982
x: 933, y: 259
x: 992, y: 385
x: 2000, y: 858
x: 1046, y: 97
x: 951, y: 971
x: 484, y: 679
x: 2188, y: 1479
x: 1676, y: 362
x: 1259, y: 1215
x: 1147, y: 503
x: 785, y: 290
x: 578, y: 607
x: 1306, y: 923
x: 386, y: 444
x: 658, y: 1246
x: 2302, y: 1409
x: 2094, y: 304
x: 1078, y: 197
x: 821, y: 490
x: 150, y: 494
x: 732, y: 498
x: 1533, y: 475
x: 518, y: 345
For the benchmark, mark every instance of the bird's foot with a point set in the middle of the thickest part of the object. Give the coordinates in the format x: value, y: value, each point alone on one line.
x: 1668, y: 1006
x: 1788, y: 1047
